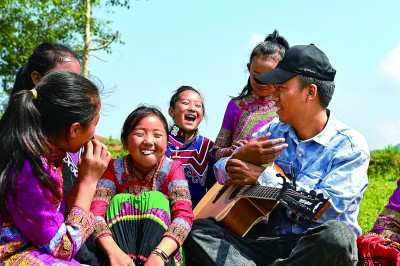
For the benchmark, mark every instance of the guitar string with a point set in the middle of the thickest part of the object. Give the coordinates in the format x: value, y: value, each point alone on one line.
x: 288, y: 192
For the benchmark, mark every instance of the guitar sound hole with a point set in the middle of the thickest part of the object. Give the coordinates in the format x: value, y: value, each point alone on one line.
x: 233, y: 194
x: 220, y: 192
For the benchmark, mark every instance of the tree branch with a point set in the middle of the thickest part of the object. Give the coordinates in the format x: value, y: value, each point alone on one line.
x: 98, y: 57
x: 100, y: 40
x: 105, y: 42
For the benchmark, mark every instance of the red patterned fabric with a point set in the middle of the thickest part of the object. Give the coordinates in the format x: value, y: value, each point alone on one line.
x: 375, y: 250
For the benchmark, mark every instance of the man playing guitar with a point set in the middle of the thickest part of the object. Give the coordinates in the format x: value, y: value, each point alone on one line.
x: 317, y: 151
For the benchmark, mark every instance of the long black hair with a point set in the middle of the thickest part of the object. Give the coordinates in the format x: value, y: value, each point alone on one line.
x: 62, y: 98
x: 44, y: 58
x: 273, y: 44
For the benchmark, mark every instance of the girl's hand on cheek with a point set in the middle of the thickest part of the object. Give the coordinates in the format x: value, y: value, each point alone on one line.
x: 92, y: 164
x: 94, y: 161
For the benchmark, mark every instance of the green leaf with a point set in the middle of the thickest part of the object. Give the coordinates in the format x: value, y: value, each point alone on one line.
x: 25, y: 23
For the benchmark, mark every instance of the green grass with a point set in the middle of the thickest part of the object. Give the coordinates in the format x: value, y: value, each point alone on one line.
x: 375, y: 199
x: 383, y: 173
x: 114, y: 146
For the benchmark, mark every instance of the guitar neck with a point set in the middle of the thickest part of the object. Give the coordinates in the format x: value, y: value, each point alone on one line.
x: 261, y: 192
x: 300, y: 202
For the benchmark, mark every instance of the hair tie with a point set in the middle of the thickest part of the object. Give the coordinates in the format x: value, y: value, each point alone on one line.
x: 273, y: 37
x: 34, y: 93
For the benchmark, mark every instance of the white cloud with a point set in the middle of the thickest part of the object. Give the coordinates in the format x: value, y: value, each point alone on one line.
x: 391, y: 64
x: 256, y: 38
x: 390, y: 133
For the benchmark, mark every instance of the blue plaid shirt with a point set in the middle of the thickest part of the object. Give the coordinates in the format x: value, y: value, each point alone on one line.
x: 333, y: 163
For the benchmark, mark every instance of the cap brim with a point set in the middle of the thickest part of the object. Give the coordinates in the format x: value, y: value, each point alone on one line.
x: 274, y: 76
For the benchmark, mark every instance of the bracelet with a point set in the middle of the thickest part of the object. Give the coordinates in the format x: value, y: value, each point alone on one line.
x: 161, y: 254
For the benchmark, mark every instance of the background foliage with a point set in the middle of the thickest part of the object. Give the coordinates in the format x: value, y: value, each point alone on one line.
x: 114, y: 146
x: 25, y: 23
x: 385, y: 162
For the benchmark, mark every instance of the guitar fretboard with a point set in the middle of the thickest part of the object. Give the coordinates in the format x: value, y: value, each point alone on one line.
x: 259, y: 192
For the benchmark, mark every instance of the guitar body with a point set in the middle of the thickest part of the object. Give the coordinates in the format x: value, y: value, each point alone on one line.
x: 236, y: 213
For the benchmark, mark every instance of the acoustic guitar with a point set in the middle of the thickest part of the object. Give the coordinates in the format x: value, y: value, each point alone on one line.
x: 238, y: 208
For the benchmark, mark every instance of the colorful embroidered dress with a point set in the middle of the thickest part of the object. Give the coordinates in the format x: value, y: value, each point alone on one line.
x: 243, y: 118
x: 36, y: 228
x: 138, y: 211
x: 381, y: 245
x: 388, y: 222
x: 194, y: 154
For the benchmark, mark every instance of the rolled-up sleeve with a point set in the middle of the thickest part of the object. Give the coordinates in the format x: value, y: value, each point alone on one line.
x: 220, y: 171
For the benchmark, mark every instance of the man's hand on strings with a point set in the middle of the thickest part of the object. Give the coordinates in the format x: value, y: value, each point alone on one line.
x: 242, y: 173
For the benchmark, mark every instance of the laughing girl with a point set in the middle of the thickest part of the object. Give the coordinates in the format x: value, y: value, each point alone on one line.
x: 142, y: 203
x: 185, y: 144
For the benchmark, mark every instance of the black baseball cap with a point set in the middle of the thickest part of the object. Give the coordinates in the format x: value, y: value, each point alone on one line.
x: 305, y: 60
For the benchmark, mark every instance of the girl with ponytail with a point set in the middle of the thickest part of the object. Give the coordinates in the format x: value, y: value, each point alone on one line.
x: 38, y: 225
x: 253, y: 107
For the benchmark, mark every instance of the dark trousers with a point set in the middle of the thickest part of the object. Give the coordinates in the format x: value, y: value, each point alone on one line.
x: 332, y: 243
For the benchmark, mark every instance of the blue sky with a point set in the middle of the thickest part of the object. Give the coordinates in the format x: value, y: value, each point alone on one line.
x: 206, y: 44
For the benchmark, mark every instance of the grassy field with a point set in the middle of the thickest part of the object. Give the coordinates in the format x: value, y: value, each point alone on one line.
x: 383, y: 173
x: 375, y: 198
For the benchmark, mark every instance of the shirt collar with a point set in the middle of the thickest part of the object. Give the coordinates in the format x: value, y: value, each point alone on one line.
x: 179, y: 135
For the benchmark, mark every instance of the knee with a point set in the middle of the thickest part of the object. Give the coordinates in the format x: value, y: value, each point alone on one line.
x: 337, y: 236
x: 204, y: 227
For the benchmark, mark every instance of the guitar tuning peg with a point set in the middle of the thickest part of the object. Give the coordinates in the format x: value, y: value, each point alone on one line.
x: 320, y: 196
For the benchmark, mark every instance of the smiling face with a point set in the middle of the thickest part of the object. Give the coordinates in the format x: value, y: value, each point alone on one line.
x: 188, y: 111
x: 261, y: 64
x: 147, y: 143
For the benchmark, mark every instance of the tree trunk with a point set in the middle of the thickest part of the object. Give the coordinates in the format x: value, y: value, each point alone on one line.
x: 85, y: 59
